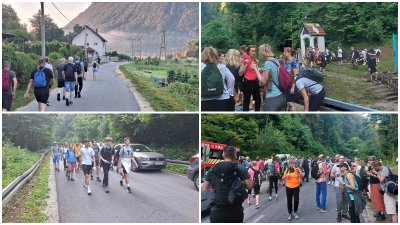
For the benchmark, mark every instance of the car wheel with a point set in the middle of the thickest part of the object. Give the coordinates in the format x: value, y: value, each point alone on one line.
x: 196, y: 181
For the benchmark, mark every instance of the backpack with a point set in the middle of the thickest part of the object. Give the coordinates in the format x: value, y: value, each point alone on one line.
x: 229, y: 188
x: 393, y: 177
x: 6, y: 80
x: 284, y: 77
x: 256, y: 178
x: 94, y: 64
x: 39, y: 79
x: 69, y: 72
x: 271, y: 169
x: 311, y: 74
x: 358, y: 179
x: 363, y: 174
x: 212, y: 84
x: 78, y: 67
x: 315, y: 170
x: 85, y: 66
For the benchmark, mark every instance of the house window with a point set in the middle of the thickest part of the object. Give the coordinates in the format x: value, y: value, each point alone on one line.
x: 95, y: 43
x: 87, y: 44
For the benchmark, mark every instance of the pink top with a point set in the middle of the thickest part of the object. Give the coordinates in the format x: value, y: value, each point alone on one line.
x: 324, y: 170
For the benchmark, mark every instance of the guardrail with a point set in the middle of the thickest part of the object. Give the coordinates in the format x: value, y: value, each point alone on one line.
x: 11, y: 189
x: 178, y: 162
x: 330, y: 104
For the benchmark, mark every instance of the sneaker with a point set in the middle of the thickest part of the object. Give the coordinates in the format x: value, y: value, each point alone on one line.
x: 248, y: 204
x: 58, y: 97
x: 107, y: 191
x: 89, y: 192
x: 63, y: 97
x: 91, y: 177
x: 345, y: 217
x: 276, y: 196
x: 121, y: 183
x: 70, y: 102
x: 323, y: 210
x: 269, y: 198
x: 48, y: 103
x: 318, y: 208
x: 67, y: 101
x: 68, y: 179
x: 79, y: 94
x: 296, y: 216
x: 257, y: 207
x: 129, y: 190
x: 290, y: 217
x: 98, y: 179
x: 84, y: 185
x: 72, y: 179
x: 380, y: 218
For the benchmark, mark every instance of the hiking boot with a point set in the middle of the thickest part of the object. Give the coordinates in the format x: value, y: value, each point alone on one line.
x: 121, y: 183
x: 79, y: 94
x: 67, y: 102
x: 296, y: 216
x: 58, y: 97
x: 290, y: 217
x: 129, y: 190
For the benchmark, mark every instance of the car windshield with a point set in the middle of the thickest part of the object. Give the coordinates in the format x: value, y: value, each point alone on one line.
x: 140, y: 148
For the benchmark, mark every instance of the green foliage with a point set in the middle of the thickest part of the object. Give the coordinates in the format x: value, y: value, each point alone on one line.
x: 36, y: 202
x: 176, y: 169
x: 305, y: 135
x: 52, y: 32
x: 21, y: 63
x: 15, y: 161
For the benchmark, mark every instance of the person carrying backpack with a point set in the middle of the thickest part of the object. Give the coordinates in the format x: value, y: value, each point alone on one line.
x: 41, y: 79
x: 10, y: 85
x: 81, y: 75
x: 292, y: 176
x: 256, y: 176
x: 228, y: 181
x: 275, y: 99
x: 106, y: 158
x: 273, y: 171
x: 349, y: 183
x: 319, y: 174
x: 389, y: 187
x: 306, y: 168
x: 217, y: 82
x: 308, y: 84
x: 71, y: 159
x: 95, y: 69
x: 70, y: 77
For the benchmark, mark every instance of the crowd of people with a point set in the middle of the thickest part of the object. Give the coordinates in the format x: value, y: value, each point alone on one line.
x: 236, y: 78
x: 89, y: 156
x: 354, y: 181
x: 70, y: 76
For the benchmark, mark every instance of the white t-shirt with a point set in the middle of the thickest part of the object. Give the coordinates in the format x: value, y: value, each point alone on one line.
x: 336, y: 170
x: 49, y: 66
x: 310, y: 85
x: 86, y: 155
x: 339, y: 53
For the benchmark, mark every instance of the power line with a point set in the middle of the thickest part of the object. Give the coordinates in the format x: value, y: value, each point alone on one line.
x: 61, y: 12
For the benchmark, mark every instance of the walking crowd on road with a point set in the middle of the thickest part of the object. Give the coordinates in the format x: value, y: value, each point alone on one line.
x: 70, y: 76
x: 354, y: 182
x: 235, y: 82
x: 91, y: 157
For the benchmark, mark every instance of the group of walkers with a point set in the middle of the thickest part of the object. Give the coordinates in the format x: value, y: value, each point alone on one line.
x: 353, y: 181
x: 235, y: 78
x: 90, y: 155
x: 369, y: 57
x: 70, y: 78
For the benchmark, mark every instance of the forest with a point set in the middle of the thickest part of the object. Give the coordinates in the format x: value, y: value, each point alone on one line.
x: 306, y: 135
x: 176, y: 136
x: 229, y: 25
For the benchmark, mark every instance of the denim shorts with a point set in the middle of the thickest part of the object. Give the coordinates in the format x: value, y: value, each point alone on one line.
x: 69, y: 86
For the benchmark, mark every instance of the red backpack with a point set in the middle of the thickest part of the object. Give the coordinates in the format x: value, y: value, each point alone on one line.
x: 6, y: 78
x: 284, y: 77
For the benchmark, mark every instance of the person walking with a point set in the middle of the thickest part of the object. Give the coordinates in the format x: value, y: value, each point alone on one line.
x: 273, y: 176
x: 55, y: 151
x: 125, y: 163
x: 60, y: 80
x: 306, y: 168
x: 95, y: 69
x: 77, y: 149
x: 106, y: 156
x: 96, y: 150
x: 292, y: 177
x: 49, y: 66
x: 70, y: 76
x: 80, y: 76
x: 340, y: 56
x: 70, y: 156
x: 256, y: 176
x: 222, y: 211
x: 87, y: 161
x: 9, y: 86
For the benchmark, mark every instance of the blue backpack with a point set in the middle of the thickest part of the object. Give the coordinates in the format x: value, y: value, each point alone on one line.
x: 39, y: 79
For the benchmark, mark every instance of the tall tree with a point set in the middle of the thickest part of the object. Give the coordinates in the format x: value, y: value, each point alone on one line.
x: 52, y: 31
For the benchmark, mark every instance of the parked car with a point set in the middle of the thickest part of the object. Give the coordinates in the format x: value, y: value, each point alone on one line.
x: 193, y: 170
x: 146, y: 158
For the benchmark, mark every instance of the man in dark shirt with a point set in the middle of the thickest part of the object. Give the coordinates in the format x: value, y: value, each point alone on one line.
x: 70, y: 77
x: 106, y: 159
x: 227, y: 213
x: 60, y: 80
x: 41, y: 85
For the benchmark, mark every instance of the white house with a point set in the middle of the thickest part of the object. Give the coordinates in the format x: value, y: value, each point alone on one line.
x: 315, y: 34
x: 95, y: 43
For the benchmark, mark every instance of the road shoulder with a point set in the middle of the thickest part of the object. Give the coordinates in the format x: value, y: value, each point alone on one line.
x: 52, y: 202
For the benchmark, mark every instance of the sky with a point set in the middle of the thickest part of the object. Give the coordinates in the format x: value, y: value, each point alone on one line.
x: 26, y: 10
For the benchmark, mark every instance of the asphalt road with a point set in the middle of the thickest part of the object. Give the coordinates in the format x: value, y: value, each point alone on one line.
x: 275, y: 211
x: 156, y: 197
x: 107, y: 93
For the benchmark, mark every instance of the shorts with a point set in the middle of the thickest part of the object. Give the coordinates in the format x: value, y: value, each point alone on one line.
x: 69, y: 86
x: 71, y: 166
x: 95, y: 70
x: 292, y: 97
x: 97, y: 162
x: 60, y: 83
x: 77, y: 159
x: 256, y: 189
x: 390, y: 203
x: 87, y: 169
x: 56, y: 159
x: 41, y: 94
x: 124, y: 170
x: 7, y: 100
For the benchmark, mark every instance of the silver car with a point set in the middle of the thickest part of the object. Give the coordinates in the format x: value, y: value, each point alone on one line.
x: 146, y: 158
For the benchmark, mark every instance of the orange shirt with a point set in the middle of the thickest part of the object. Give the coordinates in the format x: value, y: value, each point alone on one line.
x: 250, y: 74
x: 292, y: 179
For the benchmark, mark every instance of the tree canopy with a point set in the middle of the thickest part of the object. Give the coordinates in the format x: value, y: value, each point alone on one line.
x: 229, y: 25
x: 305, y: 135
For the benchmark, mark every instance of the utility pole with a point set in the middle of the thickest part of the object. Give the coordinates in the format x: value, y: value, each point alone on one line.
x: 86, y: 54
x: 132, y: 47
x: 42, y: 30
x: 163, y: 45
x: 140, y: 47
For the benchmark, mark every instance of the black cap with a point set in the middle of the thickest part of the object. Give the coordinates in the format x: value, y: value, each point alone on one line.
x: 343, y: 164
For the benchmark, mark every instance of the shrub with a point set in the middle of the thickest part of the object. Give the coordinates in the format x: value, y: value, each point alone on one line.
x: 21, y: 63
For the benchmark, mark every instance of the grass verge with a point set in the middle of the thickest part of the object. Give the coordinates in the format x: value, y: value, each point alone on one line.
x: 159, y: 98
x: 176, y: 169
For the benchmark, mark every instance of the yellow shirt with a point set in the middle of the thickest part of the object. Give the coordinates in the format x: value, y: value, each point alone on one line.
x: 292, y: 179
x: 77, y: 149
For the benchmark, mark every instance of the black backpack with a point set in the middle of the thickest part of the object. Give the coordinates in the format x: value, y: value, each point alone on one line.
x: 78, y: 68
x: 358, y: 179
x: 315, y: 170
x: 94, y: 64
x: 85, y: 66
x: 229, y: 188
x: 256, y: 178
